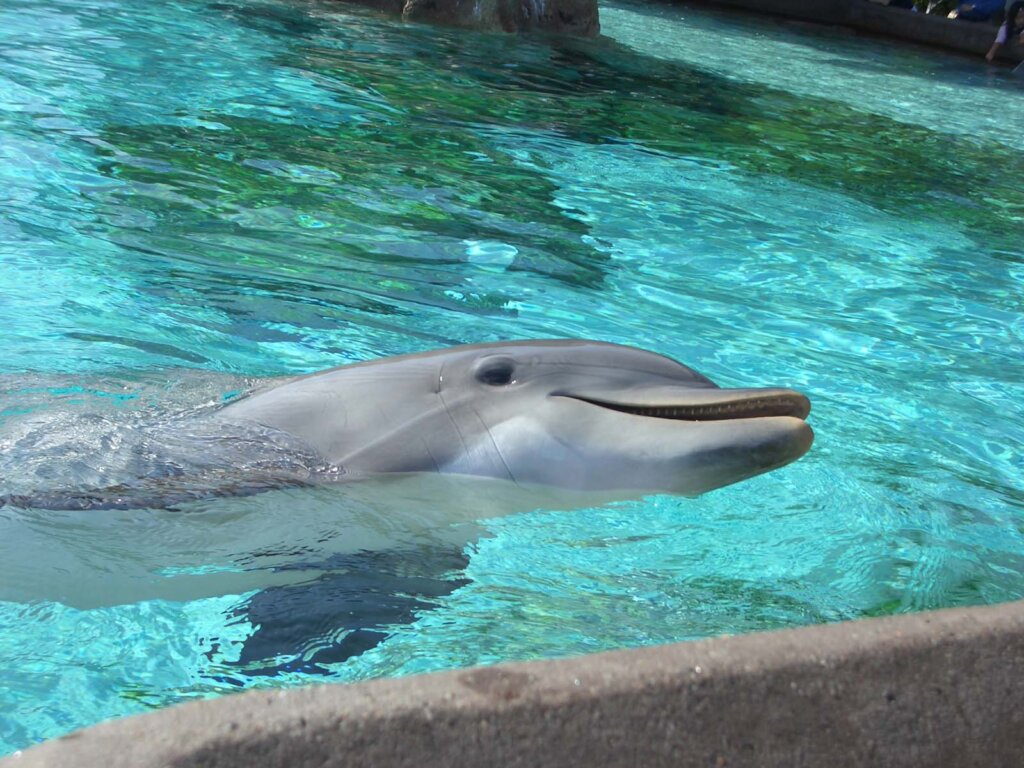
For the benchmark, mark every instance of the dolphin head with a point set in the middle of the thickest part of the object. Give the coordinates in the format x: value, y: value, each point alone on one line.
x: 571, y: 414
x: 603, y: 417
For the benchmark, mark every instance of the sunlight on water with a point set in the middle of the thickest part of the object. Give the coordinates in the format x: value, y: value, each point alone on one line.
x: 199, y: 193
x: 908, y: 83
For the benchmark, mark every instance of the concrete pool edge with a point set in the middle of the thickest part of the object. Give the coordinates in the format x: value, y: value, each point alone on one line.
x: 972, y: 38
x: 939, y: 688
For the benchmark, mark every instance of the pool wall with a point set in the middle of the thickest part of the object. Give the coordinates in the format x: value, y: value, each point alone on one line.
x: 928, y: 29
x: 944, y: 688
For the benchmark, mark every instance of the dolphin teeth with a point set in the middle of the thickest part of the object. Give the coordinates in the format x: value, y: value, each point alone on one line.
x: 740, y: 409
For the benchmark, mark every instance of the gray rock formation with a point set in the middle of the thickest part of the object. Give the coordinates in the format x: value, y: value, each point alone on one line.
x: 571, y: 17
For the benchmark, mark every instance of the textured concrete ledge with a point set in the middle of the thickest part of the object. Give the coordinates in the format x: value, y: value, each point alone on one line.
x: 964, y: 36
x: 932, y: 689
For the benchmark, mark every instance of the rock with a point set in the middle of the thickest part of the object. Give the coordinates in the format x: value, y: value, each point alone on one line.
x: 571, y: 17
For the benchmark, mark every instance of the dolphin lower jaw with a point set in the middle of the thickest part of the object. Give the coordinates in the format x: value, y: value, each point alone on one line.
x: 691, y: 457
x: 760, y: 445
x: 623, y: 456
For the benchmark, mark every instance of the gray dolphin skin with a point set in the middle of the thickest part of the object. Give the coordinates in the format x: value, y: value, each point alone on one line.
x: 254, y: 494
x: 572, y: 414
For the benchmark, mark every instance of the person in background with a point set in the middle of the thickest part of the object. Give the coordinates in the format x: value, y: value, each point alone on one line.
x: 1012, y: 27
x: 976, y: 10
x: 908, y: 4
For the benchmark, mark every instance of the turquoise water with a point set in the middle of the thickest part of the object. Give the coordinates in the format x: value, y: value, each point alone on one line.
x: 198, y: 193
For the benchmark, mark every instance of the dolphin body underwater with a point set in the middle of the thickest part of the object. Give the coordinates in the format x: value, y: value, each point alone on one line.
x: 437, y: 440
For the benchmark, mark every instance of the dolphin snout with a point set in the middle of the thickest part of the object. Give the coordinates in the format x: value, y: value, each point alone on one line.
x: 725, y: 452
x: 791, y: 439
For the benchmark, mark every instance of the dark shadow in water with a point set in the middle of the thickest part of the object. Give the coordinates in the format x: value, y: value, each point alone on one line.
x: 269, y: 18
x: 352, y: 608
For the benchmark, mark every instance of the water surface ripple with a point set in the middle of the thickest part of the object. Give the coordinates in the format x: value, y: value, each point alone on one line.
x: 199, y: 193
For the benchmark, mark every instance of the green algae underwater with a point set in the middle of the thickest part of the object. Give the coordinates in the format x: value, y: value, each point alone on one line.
x: 423, y: 142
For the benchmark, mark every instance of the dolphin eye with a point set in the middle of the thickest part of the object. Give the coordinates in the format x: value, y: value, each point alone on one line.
x: 496, y: 373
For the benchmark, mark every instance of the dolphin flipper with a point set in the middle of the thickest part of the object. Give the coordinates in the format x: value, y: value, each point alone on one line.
x: 344, y: 612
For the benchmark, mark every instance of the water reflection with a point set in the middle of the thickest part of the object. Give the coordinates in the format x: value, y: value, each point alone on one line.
x: 282, y: 187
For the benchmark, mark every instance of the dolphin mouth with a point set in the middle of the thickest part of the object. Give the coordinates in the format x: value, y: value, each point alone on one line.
x: 708, y: 405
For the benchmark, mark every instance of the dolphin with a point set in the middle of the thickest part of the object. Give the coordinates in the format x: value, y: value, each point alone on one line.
x: 598, y: 420
x: 605, y: 420
x: 571, y: 414
x: 258, y: 495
